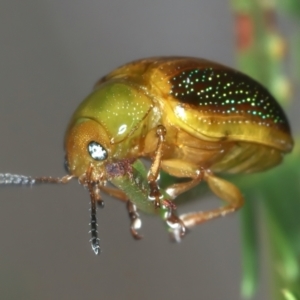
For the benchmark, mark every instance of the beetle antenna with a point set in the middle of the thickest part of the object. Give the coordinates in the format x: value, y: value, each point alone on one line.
x: 95, y: 197
x: 94, y: 229
x: 22, y: 180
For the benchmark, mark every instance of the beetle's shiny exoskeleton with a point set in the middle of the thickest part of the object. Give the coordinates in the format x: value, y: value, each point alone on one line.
x: 191, y: 117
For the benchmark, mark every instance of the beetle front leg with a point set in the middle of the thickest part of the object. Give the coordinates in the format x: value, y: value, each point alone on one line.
x: 225, y: 191
x: 136, y: 222
x: 116, y: 193
x: 154, y: 170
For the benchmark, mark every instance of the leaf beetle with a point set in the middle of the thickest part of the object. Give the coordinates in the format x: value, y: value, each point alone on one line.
x: 193, y: 118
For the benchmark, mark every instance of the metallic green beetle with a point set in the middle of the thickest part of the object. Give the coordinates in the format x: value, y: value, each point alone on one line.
x: 191, y: 117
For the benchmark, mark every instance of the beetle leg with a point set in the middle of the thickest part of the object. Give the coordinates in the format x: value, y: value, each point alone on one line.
x: 176, y: 226
x: 153, y: 173
x: 136, y: 222
x: 176, y: 189
x: 115, y: 193
x: 224, y: 190
x: 134, y: 216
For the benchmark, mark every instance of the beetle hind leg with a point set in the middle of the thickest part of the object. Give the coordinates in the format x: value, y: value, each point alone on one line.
x: 225, y: 191
x: 176, y: 189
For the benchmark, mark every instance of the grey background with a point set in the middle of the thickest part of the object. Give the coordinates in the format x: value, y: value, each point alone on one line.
x: 51, y: 54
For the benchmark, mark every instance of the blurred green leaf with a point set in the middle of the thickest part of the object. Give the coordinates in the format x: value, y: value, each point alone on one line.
x: 290, y: 7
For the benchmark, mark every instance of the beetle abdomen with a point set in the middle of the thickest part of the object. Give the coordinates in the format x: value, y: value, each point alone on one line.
x: 247, y: 158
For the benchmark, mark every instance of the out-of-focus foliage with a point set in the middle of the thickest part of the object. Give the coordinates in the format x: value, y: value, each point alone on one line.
x: 290, y: 7
x: 271, y: 213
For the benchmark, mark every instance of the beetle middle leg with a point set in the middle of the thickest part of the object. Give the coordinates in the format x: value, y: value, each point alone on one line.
x: 154, y: 170
x: 225, y: 191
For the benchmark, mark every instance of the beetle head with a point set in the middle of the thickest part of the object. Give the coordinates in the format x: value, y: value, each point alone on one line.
x: 105, y: 126
x: 87, y: 144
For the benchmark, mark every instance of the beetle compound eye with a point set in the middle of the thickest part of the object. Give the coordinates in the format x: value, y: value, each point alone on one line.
x: 97, y: 151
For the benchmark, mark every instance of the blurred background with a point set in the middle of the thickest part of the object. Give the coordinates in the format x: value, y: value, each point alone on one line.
x: 51, y: 54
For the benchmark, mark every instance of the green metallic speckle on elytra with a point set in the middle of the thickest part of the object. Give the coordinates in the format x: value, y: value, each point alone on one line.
x: 227, y: 93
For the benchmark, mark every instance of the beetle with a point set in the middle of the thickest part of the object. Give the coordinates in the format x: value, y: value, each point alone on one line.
x: 193, y: 118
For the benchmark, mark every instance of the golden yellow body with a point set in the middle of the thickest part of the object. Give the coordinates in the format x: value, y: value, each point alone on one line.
x: 192, y: 117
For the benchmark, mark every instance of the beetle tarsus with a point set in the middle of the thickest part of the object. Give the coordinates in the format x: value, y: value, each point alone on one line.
x: 154, y: 194
x: 176, y: 226
x: 136, y: 222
